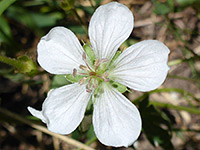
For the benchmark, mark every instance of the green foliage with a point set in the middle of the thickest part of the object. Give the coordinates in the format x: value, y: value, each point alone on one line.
x: 156, y: 125
x: 163, y: 8
x: 33, y: 20
x: 4, y: 4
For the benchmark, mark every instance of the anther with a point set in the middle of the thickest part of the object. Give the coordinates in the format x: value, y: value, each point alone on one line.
x: 88, y: 90
x: 84, y: 59
x: 105, y: 75
x: 83, y: 67
x: 74, y: 72
x: 94, y: 84
x: 106, y: 80
x: 96, y: 62
x: 84, y: 56
x: 82, y: 80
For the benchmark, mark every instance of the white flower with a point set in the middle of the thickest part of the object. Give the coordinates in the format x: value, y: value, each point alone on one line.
x: 142, y: 67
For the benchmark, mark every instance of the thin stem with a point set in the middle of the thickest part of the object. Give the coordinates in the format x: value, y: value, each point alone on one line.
x: 167, y: 105
x: 183, y: 78
x: 92, y: 4
x: 80, y: 20
x: 44, y: 130
x: 179, y: 61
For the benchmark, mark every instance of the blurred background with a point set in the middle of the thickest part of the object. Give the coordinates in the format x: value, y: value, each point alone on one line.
x: 171, y: 114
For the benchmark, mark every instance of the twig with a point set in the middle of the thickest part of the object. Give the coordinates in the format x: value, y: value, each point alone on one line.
x: 45, y: 130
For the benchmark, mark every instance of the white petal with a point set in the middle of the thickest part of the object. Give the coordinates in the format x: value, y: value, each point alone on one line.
x: 64, y: 108
x: 59, y: 52
x: 110, y: 26
x: 116, y: 120
x: 37, y: 114
x: 142, y: 66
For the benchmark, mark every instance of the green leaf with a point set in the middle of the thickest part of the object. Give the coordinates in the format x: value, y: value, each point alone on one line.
x: 156, y: 125
x: 72, y: 79
x: 33, y: 20
x: 90, y: 53
x: 4, y: 4
x: 5, y: 27
x: 161, y: 9
x: 46, y: 20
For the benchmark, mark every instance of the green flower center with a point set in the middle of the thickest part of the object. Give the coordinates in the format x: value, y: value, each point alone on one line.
x: 92, y: 75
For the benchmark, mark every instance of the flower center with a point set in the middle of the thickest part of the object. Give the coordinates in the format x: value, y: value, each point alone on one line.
x: 93, y: 75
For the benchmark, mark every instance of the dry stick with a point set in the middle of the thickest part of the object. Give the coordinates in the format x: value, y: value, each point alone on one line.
x: 45, y: 130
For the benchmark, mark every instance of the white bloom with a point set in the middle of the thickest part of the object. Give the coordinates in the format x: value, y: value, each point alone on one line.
x: 141, y: 67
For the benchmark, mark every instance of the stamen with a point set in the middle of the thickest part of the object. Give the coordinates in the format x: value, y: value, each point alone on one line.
x: 84, y: 59
x: 84, y: 56
x: 103, y: 60
x: 105, y: 75
x: 82, y: 80
x: 85, y: 74
x: 96, y: 62
x: 106, y: 80
x: 88, y: 90
x: 95, y: 84
x: 82, y: 67
x: 89, y: 82
x: 74, y: 72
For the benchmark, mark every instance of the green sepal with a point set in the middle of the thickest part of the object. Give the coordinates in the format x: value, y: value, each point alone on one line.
x: 121, y: 88
x: 73, y: 79
x: 90, y: 53
x: 116, y: 56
